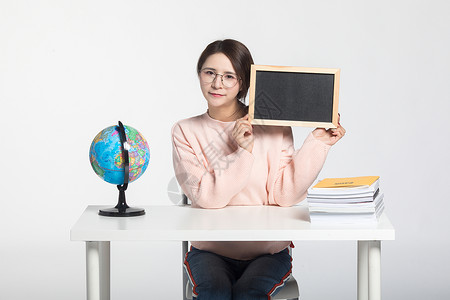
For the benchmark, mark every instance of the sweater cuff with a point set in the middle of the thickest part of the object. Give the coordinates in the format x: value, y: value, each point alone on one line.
x: 319, y: 143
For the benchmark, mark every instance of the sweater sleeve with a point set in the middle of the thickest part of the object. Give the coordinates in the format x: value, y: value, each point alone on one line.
x: 298, y: 169
x: 209, y: 186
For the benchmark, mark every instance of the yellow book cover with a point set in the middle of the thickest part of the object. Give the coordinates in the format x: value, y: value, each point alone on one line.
x: 349, y: 182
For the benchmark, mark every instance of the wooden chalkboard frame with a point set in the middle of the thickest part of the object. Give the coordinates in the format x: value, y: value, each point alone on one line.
x: 269, y: 121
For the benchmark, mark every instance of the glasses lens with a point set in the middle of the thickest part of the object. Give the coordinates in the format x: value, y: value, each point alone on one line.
x: 229, y: 80
x: 207, y: 76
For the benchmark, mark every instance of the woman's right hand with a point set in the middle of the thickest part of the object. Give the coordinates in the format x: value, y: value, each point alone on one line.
x: 243, y: 133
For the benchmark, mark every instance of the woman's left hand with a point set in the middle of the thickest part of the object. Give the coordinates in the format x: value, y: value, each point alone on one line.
x: 330, y: 136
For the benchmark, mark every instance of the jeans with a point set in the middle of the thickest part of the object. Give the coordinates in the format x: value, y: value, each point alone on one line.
x: 215, y: 277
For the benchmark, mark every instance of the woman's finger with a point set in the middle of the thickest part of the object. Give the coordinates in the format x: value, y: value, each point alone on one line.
x: 242, y: 130
x: 234, y: 132
x: 243, y: 123
x: 239, y: 131
x: 247, y: 126
x: 238, y: 125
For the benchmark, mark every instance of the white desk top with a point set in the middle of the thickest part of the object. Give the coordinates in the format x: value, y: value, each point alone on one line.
x: 232, y: 223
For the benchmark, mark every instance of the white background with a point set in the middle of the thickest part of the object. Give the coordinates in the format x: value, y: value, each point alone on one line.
x: 68, y: 69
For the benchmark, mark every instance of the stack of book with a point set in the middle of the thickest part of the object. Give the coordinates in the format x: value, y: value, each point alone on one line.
x: 346, y: 200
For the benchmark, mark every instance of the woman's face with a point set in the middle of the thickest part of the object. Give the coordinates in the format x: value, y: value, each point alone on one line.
x: 215, y: 92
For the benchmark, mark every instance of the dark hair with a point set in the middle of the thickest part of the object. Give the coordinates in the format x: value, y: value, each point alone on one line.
x: 240, y: 58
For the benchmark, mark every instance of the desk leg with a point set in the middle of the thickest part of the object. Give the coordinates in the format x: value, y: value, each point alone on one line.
x: 375, y: 270
x: 363, y: 270
x: 369, y: 270
x: 98, y: 270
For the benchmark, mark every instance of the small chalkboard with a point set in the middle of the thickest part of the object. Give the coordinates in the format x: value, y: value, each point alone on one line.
x: 294, y: 96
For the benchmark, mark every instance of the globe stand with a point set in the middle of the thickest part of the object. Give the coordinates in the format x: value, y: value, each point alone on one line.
x: 122, y: 209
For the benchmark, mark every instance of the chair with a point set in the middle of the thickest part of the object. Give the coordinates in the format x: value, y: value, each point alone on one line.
x: 288, y: 292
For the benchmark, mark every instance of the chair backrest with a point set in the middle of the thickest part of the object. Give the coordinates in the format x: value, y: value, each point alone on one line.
x: 184, y: 199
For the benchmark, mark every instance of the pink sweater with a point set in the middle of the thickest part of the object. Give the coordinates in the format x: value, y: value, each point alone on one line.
x: 214, y: 172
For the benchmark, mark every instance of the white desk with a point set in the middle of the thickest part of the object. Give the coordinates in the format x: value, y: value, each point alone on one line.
x: 248, y: 223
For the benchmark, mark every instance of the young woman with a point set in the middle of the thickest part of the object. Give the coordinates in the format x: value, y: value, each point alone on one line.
x: 220, y: 159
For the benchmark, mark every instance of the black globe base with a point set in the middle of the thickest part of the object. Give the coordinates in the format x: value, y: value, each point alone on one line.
x: 122, y: 209
x: 115, y: 212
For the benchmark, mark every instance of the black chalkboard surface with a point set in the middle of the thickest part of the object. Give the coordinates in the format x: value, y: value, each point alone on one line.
x: 294, y: 96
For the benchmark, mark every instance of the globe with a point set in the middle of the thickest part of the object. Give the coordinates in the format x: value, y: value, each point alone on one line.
x: 107, y: 159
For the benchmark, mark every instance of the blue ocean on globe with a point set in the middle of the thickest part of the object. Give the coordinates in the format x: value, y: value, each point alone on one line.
x: 107, y: 159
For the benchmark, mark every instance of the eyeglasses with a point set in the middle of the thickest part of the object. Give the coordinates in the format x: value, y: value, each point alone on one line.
x: 229, y: 80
